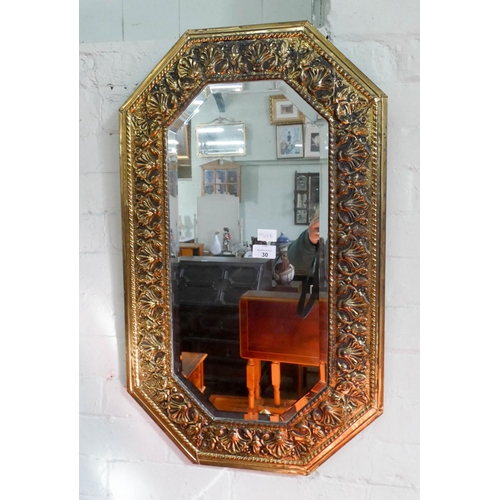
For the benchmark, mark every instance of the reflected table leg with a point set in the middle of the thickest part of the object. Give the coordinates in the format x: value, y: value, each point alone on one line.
x: 251, y: 382
x: 276, y: 381
x: 257, y: 370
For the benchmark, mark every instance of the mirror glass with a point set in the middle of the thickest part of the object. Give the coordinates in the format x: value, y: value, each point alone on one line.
x: 253, y: 177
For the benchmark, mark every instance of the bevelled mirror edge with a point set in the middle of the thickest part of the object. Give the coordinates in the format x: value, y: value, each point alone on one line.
x: 259, y: 445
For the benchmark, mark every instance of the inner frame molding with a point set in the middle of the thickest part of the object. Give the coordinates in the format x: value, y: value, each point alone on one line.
x: 356, y: 112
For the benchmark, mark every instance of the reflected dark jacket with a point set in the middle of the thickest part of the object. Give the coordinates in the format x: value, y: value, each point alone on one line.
x: 301, y: 252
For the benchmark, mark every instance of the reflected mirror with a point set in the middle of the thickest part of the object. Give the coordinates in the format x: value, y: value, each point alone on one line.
x: 253, y: 195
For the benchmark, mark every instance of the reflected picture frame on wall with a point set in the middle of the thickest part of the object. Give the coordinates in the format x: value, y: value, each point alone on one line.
x: 312, y: 142
x: 283, y: 111
x: 301, y: 217
x: 289, y: 141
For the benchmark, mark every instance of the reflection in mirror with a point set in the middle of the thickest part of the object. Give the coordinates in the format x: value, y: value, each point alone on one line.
x: 239, y: 344
x: 220, y: 138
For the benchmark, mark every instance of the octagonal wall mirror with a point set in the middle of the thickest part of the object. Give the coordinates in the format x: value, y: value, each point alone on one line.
x: 237, y: 141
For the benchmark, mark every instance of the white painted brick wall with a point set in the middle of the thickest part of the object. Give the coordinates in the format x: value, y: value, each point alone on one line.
x: 124, y: 455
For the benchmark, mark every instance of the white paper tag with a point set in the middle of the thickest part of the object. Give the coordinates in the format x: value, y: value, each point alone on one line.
x: 264, y: 251
x: 266, y: 235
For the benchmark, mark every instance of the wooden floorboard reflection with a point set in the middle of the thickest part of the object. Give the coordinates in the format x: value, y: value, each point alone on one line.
x: 265, y: 406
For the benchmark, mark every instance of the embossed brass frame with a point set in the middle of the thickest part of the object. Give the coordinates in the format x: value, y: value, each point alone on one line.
x: 356, y: 111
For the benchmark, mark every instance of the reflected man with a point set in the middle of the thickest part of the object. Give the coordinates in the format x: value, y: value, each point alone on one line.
x: 302, y: 251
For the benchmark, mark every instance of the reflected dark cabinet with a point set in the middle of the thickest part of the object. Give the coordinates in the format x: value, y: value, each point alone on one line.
x: 306, y: 197
x: 207, y: 291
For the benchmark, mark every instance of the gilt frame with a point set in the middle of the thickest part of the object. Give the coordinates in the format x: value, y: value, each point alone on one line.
x: 278, y: 104
x: 356, y: 111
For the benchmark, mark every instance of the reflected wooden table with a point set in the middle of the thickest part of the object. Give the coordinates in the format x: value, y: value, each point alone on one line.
x: 270, y: 330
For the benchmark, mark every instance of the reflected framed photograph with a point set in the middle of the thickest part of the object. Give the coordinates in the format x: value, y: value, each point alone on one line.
x: 301, y: 200
x: 301, y: 182
x: 284, y: 111
x: 289, y: 141
x: 311, y: 141
x: 301, y: 217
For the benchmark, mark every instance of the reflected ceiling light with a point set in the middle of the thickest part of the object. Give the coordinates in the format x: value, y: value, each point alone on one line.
x: 226, y: 87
